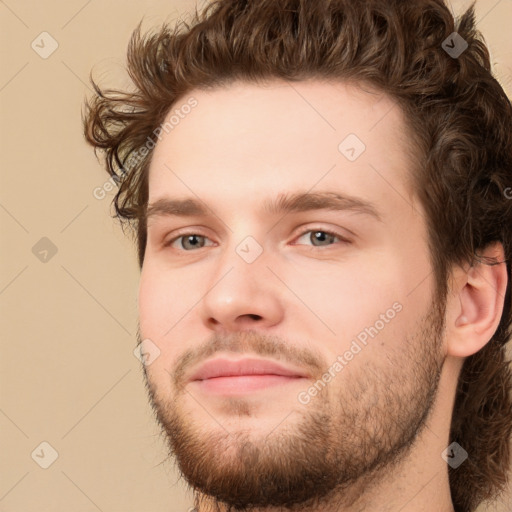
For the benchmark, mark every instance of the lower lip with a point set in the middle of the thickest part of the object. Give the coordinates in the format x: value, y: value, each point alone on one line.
x: 242, y: 384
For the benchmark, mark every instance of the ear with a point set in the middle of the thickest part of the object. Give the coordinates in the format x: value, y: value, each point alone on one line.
x: 475, y: 302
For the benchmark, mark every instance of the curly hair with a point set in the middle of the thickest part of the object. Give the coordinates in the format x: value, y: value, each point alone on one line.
x: 460, y: 122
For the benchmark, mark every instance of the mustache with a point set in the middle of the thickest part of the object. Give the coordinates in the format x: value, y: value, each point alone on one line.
x: 247, y: 342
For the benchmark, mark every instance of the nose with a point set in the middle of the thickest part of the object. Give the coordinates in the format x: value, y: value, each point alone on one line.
x: 242, y: 296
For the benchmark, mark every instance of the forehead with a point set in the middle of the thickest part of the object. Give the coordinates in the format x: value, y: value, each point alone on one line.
x: 281, y: 135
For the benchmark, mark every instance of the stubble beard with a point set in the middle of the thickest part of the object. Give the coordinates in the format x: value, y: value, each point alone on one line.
x: 329, y: 452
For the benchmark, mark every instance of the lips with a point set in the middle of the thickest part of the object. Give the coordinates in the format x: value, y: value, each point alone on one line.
x: 244, y: 367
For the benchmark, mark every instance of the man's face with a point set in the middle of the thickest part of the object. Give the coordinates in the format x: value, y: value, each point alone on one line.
x: 341, y: 297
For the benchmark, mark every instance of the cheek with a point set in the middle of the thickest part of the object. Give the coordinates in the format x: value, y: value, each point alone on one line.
x: 160, y: 300
x: 377, y: 301
x: 352, y: 292
x: 157, y: 311
x: 151, y: 303
x: 156, y: 316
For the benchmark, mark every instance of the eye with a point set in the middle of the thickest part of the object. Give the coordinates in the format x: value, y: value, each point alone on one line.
x: 322, y: 238
x: 187, y: 241
x: 318, y: 238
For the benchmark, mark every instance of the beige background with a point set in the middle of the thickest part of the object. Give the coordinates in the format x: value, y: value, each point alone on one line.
x: 68, y: 373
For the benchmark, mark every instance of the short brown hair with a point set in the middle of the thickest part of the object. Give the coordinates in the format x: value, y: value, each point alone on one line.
x: 460, y: 123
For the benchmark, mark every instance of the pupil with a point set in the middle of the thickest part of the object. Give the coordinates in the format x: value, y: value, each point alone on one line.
x: 193, y: 240
x: 321, y: 236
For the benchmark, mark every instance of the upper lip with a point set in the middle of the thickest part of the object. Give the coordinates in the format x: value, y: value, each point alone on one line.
x: 221, y: 367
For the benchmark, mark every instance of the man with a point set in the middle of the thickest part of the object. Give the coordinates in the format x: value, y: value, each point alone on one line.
x: 318, y: 191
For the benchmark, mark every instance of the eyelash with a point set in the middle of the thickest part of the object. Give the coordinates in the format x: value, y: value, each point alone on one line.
x: 341, y: 238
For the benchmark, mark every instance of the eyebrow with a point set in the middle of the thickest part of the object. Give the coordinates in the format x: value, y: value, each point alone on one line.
x: 281, y: 205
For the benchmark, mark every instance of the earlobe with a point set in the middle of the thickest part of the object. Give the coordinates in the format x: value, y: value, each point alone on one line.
x: 480, y: 297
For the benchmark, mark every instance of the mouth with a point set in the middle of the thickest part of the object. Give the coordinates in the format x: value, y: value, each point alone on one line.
x: 229, y: 377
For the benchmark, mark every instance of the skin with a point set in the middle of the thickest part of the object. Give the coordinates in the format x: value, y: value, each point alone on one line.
x: 372, y: 438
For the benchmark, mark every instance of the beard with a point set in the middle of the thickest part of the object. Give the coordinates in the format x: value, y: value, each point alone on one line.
x: 329, y: 452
